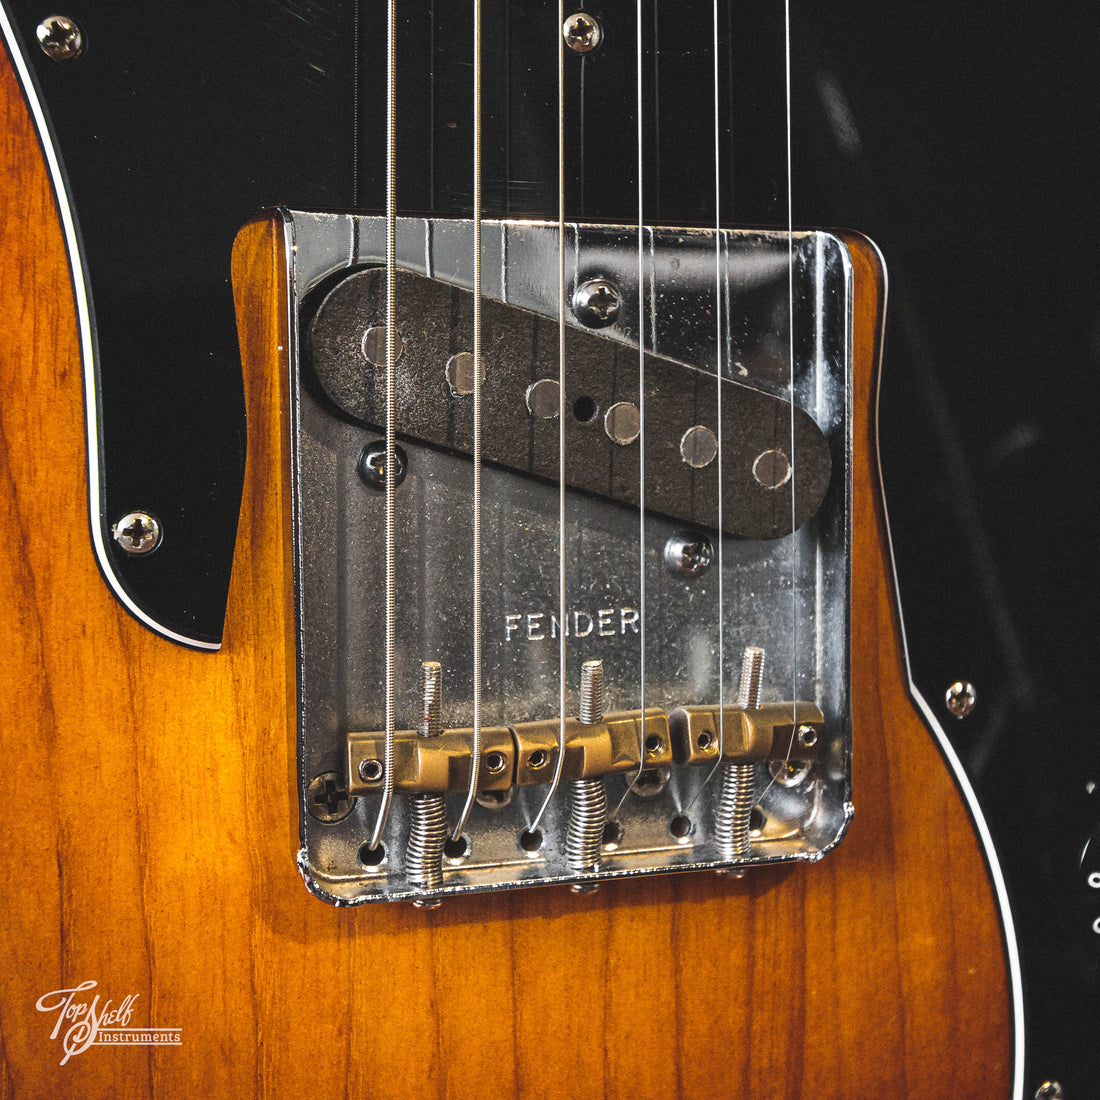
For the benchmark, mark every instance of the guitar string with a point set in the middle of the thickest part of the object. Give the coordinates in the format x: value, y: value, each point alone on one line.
x: 475, y: 754
x: 790, y: 364
x: 719, y: 339
x: 556, y: 780
x: 639, y: 168
x: 390, y: 456
x: 790, y: 396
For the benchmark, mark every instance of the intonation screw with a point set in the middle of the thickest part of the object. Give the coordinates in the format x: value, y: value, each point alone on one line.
x: 581, y: 32
x: 60, y: 38
x: 427, y: 812
x: 587, y: 799
x: 731, y: 828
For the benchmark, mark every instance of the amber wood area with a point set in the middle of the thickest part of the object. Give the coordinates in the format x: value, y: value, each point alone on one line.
x: 149, y: 830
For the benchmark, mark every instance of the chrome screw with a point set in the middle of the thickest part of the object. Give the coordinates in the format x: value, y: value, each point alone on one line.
x: 596, y: 303
x: 60, y: 38
x: 581, y: 32
x: 731, y: 827
x: 327, y: 798
x: 689, y: 554
x: 961, y: 698
x: 587, y: 799
x: 371, y: 466
x: 1050, y: 1090
x: 428, y: 811
x: 137, y: 533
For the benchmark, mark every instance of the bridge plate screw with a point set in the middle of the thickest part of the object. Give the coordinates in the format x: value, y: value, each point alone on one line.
x: 371, y: 466
x: 60, y: 38
x: 581, y: 32
x: 960, y: 698
x: 689, y: 554
x: 137, y: 533
x: 1050, y: 1090
x: 596, y: 303
x: 327, y: 798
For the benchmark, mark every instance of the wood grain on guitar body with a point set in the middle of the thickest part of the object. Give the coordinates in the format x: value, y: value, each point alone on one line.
x: 156, y: 798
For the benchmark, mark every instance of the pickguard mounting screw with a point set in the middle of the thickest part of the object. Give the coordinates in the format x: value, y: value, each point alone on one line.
x: 137, y: 533
x: 1050, y: 1090
x: 60, y: 38
x: 961, y: 698
x: 581, y: 32
x: 596, y: 303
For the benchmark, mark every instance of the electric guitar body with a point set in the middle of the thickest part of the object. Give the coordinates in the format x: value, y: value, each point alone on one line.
x: 151, y: 809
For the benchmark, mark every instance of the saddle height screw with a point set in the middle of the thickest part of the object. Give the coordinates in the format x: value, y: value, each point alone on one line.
x: 137, y: 533
x: 581, y: 32
x: 587, y: 798
x: 596, y: 303
x: 739, y: 780
x: 428, y: 811
x: 60, y: 38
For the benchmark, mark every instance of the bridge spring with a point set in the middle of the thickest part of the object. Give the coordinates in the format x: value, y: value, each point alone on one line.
x: 587, y: 818
x: 427, y: 812
x: 427, y: 834
x: 735, y: 803
x: 587, y: 798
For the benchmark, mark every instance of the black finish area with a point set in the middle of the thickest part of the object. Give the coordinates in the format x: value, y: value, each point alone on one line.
x: 171, y: 137
x: 963, y: 145
x: 436, y: 323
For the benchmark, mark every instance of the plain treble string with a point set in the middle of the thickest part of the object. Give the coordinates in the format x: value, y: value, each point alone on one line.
x: 556, y: 780
x: 475, y: 754
x: 390, y: 464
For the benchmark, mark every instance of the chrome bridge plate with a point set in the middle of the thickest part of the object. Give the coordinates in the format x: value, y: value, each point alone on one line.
x: 787, y: 595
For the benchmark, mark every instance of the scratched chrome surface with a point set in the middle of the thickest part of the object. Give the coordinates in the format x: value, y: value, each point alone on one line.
x: 789, y: 595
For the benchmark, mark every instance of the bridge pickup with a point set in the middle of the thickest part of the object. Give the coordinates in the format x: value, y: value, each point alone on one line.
x: 519, y: 406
